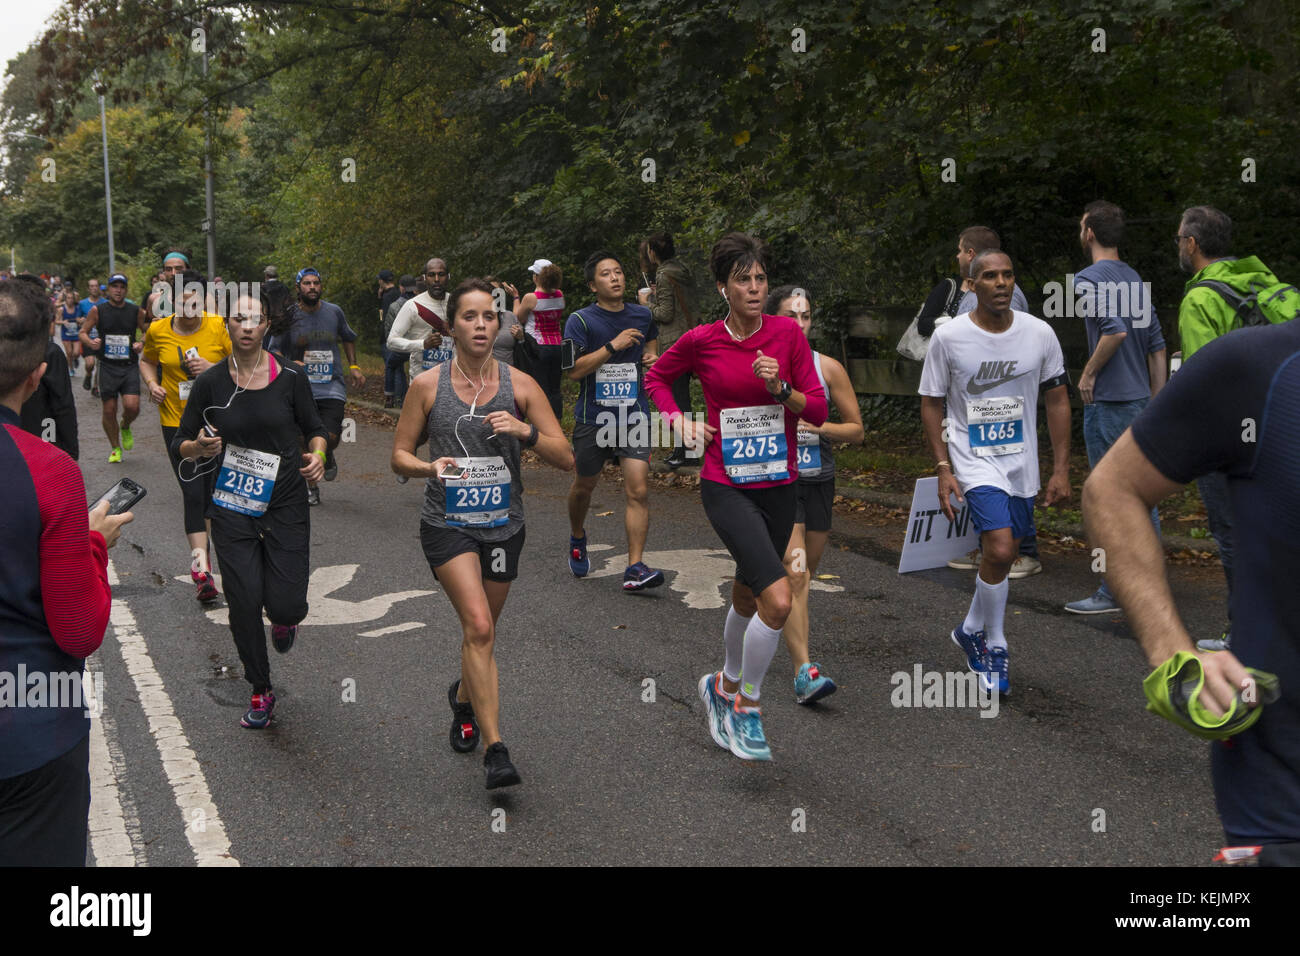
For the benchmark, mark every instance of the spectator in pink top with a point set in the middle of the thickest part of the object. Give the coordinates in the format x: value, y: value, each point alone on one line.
x: 758, y: 378
x: 542, y: 313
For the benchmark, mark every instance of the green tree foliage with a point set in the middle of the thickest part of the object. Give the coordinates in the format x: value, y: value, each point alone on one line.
x: 857, y: 138
x: 157, y: 192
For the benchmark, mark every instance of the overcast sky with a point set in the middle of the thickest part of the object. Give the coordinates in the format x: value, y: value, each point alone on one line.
x: 23, y: 22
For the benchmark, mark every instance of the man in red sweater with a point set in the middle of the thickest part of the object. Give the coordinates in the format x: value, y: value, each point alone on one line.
x: 54, y: 604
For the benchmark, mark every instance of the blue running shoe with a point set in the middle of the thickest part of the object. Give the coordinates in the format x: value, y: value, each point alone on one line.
x: 810, y: 684
x: 579, y: 563
x: 999, y: 670
x: 259, y: 712
x: 973, y: 646
x: 716, y: 708
x: 745, y: 729
x: 640, y: 576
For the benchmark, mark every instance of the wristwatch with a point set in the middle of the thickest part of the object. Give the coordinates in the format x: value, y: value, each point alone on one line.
x: 610, y: 347
x: 786, y: 391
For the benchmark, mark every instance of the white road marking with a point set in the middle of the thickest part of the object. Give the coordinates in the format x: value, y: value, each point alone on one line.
x: 702, y: 576
x: 203, y: 827
x: 324, y: 610
x: 395, y: 629
x: 114, y: 829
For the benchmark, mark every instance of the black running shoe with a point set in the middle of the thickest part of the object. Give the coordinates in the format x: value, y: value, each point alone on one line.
x: 282, y: 636
x: 464, y: 728
x: 500, y: 771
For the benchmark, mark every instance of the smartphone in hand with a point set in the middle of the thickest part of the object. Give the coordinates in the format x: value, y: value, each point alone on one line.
x: 123, y: 496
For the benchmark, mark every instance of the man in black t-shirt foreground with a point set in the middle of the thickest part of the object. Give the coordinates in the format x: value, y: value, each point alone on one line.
x: 1248, y: 433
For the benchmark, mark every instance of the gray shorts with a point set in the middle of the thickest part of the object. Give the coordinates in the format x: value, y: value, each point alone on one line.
x: 590, y: 456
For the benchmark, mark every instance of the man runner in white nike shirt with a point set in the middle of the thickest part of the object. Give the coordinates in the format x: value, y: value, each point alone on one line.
x: 989, y: 365
x: 420, y: 328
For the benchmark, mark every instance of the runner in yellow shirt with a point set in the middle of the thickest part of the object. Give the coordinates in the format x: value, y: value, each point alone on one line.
x: 176, y: 349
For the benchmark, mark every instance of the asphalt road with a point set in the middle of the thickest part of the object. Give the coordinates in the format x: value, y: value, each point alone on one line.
x: 610, y: 777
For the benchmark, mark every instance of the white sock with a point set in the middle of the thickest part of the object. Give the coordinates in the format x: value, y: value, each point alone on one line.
x: 974, y: 622
x: 733, y: 633
x: 993, y: 606
x: 761, y: 643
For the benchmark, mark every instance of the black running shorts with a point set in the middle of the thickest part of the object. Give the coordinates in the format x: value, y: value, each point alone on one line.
x: 590, y: 455
x: 331, y: 415
x: 115, y: 379
x: 755, y: 526
x: 498, y: 559
x: 814, y: 508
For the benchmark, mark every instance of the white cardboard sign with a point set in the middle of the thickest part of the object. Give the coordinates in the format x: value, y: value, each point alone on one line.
x: 931, y: 540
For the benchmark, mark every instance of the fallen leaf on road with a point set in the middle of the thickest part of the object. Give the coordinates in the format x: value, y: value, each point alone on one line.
x: 603, y: 514
x: 828, y: 577
x: 620, y: 627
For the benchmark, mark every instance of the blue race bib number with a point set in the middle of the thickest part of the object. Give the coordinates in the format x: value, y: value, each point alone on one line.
x: 753, y: 444
x: 432, y: 357
x: 995, y: 426
x: 320, y: 365
x: 117, y: 346
x: 481, y: 498
x: 246, y: 480
x: 616, y: 384
x: 809, y: 454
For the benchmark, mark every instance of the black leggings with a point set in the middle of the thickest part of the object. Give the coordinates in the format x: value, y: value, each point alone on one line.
x: 193, y: 493
x: 549, y: 374
x: 264, y: 564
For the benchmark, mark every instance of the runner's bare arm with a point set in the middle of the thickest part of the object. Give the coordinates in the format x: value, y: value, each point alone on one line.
x: 92, y: 320
x: 1057, y: 402
x: 846, y: 403
x: 552, y: 445
x: 411, y: 425
x: 932, y: 407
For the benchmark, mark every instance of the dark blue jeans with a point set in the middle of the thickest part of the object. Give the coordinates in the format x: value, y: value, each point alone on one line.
x: 1103, y: 423
x: 395, y: 374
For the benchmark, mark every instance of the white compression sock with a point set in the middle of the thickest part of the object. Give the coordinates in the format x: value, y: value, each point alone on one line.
x: 993, y: 605
x: 761, y: 643
x: 733, y: 633
x: 974, y: 622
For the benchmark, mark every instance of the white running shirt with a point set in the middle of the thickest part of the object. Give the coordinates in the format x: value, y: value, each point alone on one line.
x: 990, y: 381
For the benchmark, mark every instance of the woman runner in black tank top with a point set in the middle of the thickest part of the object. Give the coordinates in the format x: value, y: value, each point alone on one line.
x: 472, y: 517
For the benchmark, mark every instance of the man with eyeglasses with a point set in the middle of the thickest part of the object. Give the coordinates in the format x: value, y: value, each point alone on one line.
x: 314, y: 340
x: 420, y: 329
x: 1207, y: 312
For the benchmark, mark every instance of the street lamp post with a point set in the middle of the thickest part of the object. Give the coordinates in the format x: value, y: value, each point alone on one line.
x: 108, y: 188
x: 210, y: 222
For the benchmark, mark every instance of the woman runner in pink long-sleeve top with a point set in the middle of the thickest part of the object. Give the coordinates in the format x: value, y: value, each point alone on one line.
x: 758, y: 378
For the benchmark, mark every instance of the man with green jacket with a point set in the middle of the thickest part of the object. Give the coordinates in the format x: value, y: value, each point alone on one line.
x: 1204, y: 245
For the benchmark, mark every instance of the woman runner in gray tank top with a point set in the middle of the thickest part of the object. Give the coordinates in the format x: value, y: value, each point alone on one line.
x: 472, y: 519
x: 816, y: 491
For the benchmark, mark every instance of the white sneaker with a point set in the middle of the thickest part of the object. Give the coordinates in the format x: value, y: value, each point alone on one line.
x: 1024, y: 566
x: 967, y: 562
